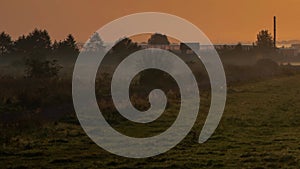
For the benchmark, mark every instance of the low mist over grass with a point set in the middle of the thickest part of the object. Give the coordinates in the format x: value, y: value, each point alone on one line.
x: 39, y: 128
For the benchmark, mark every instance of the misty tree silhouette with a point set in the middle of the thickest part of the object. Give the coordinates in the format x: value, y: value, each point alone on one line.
x: 124, y: 47
x: 6, y: 44
x: 38, y: 51
x: 66, y: 47
x: 36, y: 43
x: 95, y: 44
x: 158, y: 39
x: 264, y: 40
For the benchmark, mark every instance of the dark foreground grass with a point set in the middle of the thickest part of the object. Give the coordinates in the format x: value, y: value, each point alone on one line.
x: 260, y: 128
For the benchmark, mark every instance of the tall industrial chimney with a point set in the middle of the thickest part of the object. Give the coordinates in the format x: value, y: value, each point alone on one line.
x: 274, y: 32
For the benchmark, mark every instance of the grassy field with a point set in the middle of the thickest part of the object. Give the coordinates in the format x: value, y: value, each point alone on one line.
x: 260, y: 128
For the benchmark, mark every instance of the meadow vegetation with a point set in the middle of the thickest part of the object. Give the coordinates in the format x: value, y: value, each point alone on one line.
x: 39, y: 128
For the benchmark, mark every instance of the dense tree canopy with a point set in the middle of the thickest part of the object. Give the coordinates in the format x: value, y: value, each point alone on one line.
x: 66, y: 47
x: 125, y: 46
x: 264, y: 40
x: 158, y: 39
x: 36, y: 42
x: 38, y: 51
x: 6, y: 44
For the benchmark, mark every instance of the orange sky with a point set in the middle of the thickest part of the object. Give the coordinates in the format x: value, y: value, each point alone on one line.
x: 223, y: 21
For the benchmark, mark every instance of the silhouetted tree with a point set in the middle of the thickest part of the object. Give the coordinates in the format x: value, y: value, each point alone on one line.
x: 158, y: 39
x: 264, y: 40
x: 37, y: 43
x: 66, y: 47
x: 125, y: 47
x: 6, y: 44
x: 70, y: 44
x: 95, y: 43
x: 36, y: 49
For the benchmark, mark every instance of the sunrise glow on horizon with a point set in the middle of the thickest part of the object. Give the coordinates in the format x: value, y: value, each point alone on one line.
x: 229, y: 21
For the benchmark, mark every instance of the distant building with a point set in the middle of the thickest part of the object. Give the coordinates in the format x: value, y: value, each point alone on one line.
x: 294, y: 50
x: 288, y: 52
x: 175, y: 47
x: 245, y: 47
x: 296, y: 46
x: 219, y: 47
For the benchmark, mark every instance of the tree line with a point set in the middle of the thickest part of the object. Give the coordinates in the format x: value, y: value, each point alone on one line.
x: 36, y: 42
x: 41, y: 54
x: 38, y: 51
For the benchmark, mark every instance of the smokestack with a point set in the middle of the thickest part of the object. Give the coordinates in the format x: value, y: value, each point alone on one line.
x: 274, y: 32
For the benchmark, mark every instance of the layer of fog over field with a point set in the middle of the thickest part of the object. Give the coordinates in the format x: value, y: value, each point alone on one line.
x: 17, y: 56
x: 32, y: 62
x: 36, y: 90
